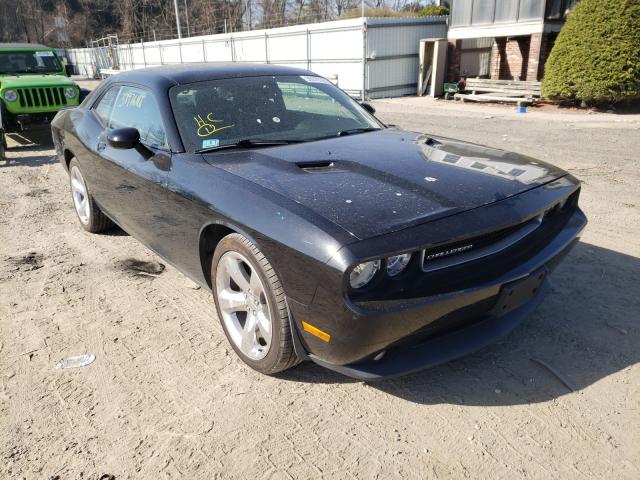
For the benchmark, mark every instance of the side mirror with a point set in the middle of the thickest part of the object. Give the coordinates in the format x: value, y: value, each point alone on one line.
x: 368, y: 107
x: 124, y: 138
x: 68, y: 69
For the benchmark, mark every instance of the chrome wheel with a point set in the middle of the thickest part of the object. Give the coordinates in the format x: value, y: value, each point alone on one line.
x: 80, y: 195
x: 242, y: 301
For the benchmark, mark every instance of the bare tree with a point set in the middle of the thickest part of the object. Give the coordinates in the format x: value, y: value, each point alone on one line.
x: 344, y: 5
x: 136, y: 20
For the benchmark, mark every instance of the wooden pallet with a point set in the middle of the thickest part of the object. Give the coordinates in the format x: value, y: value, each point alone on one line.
x: 486, y: 90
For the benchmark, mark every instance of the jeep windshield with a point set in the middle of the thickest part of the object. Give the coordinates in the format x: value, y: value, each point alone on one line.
x: 256, y: 112
x: 26, y: 61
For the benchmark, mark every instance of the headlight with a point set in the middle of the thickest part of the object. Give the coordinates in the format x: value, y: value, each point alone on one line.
x: 10, y: 95
x: 363, y: 273
x: 70, y: 92
x: 397, y: 264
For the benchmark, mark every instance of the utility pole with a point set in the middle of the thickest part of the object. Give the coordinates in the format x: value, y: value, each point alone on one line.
x: 186, y: 14
x: 175, y: 4
x: 364, y: 56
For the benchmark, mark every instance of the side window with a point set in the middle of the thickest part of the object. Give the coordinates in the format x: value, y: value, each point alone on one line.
x: 105, y: 105
x: 136, y: 108
x: 309, y: 99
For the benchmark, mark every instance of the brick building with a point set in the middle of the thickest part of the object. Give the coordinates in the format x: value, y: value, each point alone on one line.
x: 503, y: 39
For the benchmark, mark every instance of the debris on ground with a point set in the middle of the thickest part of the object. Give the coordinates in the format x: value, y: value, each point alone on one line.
x: 27, y: 262
x: 77, y: 361
x: 560, y: 377
x: 142, y: 266
x: 191, y: 284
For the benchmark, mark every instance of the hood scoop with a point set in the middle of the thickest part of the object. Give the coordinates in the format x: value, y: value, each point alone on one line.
x: 432, y: 143
x: 317, y: 166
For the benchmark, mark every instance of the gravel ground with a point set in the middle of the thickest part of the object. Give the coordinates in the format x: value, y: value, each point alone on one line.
x: 167, y: 398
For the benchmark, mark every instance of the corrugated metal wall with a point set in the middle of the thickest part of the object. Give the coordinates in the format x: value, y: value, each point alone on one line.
x: 332, y: 49
x: 392, y: 53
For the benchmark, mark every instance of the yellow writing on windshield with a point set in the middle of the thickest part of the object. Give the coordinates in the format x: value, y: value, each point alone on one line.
x: 208, y: 127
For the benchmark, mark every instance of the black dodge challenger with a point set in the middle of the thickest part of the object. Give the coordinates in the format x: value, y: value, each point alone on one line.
x: 322, y: 233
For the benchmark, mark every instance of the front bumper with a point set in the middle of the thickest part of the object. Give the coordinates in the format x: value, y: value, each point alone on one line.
x: 439, y: 349
x: 15, y: 123
x: 440, y: 328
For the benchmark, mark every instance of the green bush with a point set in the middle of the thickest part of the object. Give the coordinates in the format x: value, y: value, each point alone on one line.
x: 596, y: 56
x: 433, y: 10
x: 372, y: 12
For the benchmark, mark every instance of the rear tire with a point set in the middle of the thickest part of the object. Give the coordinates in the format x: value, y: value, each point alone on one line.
x: 89, y: 214
x: 251, y: 305
x: 3, y: 150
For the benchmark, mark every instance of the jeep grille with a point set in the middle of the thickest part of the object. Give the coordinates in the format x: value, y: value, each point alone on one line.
x: 42, y: 97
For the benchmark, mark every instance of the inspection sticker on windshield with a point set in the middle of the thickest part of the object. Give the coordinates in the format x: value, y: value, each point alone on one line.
x: 210, y: 142
x: 310, y: 79
x: 44, y: 54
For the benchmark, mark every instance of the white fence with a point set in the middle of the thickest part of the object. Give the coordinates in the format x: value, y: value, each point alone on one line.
x: 378, y: 58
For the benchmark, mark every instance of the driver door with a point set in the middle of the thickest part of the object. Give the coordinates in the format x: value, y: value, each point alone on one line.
x: 132, y: 187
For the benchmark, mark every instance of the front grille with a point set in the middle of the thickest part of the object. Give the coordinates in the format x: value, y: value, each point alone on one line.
x: 451, y: 254
x: 42, y: 97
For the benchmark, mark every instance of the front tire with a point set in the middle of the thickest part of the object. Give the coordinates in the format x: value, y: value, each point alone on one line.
x: 89, y: 214
x: 251, y: 305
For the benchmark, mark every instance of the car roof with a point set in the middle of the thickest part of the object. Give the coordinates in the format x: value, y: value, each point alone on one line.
x: 198, y: 72
x: 24, y: 45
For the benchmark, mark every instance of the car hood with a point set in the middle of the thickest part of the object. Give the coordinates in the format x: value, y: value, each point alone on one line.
x: 30, y: 80
x: 379, y: 182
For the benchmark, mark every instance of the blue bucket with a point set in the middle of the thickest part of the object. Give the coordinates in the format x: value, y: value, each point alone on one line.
x: 522, y: 109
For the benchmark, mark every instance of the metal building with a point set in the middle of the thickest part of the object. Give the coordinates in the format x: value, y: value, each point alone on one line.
x: 374, y: 57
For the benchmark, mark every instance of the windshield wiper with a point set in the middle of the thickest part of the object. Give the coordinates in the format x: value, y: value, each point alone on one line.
x: 357, y: 130
x: 249, y: 143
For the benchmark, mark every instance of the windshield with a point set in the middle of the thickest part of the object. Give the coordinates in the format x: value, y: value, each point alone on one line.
x: 25, y: 61
x: 288, y: 108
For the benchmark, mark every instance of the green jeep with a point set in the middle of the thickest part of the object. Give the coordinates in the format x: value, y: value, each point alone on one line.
x: 33, y: 87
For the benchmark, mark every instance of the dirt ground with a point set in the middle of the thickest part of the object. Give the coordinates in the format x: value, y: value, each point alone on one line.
x: 167, y: 398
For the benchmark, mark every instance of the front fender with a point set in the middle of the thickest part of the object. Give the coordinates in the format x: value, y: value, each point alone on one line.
x: 295, y: 242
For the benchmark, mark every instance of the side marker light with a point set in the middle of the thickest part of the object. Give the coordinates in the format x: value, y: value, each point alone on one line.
x: 316, y: 331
